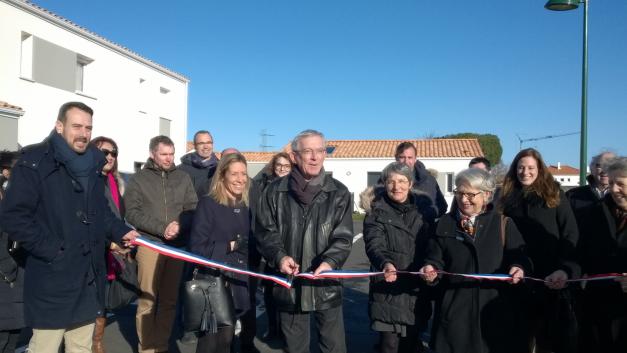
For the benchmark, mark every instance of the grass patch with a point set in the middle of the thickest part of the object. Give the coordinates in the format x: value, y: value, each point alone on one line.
x: 358, y: 216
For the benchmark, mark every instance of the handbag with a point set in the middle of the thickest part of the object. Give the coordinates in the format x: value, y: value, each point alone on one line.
x: 124, y: 289
x: 207, y: 302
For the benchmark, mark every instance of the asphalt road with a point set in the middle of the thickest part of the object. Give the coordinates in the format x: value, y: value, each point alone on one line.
x: 121, y: 337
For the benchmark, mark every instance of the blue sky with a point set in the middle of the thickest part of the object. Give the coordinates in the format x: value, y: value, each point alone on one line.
x: 373, y: 69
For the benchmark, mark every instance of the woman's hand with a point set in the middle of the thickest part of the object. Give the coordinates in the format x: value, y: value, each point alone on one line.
x: 517, y: 274
x: 556, y: 280
x: 118, y: 250
x: 389, y: 272
x: 623, y: 282
x: 429, y: 273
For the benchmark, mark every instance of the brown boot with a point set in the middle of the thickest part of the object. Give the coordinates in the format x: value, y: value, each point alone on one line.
x: 97, y: 345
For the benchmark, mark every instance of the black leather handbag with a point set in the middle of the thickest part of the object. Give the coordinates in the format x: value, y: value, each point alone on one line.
x: 124, y: 289
x: 207, y: 302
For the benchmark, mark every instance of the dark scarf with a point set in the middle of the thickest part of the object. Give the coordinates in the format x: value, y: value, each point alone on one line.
x: 304, y: 190
x: 405, y: 210
x: 79, y: 165
x: 199, y: 162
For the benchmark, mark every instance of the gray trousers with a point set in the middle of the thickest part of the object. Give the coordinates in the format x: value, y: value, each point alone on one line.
x: 329, y: 327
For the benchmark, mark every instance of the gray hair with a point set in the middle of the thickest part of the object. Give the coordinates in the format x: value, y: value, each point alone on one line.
x: 397, y: 168
x: 476, y: 178
x: 598, y: 158
x: 306, y: 133
x: 616, y: 167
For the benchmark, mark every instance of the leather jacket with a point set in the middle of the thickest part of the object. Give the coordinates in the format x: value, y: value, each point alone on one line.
x: 319, y: 232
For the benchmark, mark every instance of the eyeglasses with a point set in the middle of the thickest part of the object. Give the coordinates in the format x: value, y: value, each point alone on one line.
x: 113, y: 153
x: 469, y: 195
x: 310, y: 152
x: 283, y: 166
x: 397, y: 182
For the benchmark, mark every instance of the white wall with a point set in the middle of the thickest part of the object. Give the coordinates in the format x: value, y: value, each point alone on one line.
x: 354, y: 172
x: 112, y: 89
x: 567, y: 180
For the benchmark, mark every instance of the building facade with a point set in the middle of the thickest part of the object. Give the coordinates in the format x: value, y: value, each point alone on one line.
x: 47, y: 60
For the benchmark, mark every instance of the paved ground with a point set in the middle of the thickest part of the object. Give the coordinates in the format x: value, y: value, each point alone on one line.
x: 120, y: 336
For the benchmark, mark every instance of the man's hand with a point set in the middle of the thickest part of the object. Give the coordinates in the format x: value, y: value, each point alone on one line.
x: 288, y: 266
x: 517, y: 274
x: 129, y: 237
x: 171, y: 231
x: 556, y: 280
x: 429, y: 273
x: 389, y: 272
x: 323, y: 267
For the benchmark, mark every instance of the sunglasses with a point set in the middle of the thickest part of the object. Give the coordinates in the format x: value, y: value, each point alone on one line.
x: 113, y: 153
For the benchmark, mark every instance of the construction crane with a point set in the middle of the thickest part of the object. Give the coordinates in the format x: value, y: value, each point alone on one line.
x: 521, y: 140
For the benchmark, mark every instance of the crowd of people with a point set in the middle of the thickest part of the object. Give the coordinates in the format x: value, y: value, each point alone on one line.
x: 511, y: 266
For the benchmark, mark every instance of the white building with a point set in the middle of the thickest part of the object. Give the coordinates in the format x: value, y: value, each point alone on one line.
x: 47, y: 60
x: 358, y: 163
x: 566, y: 175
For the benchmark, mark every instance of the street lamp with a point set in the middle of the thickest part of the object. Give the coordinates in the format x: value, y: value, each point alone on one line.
x: 565, y: 5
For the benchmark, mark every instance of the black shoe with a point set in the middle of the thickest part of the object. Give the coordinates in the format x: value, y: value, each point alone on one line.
x: 270, y: 335
x: 248, y: 348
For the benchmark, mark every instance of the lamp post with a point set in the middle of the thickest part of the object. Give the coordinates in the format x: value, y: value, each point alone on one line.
x: 565, y: 5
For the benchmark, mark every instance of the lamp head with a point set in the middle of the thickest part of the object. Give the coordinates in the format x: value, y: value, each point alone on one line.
x: 561, y: 5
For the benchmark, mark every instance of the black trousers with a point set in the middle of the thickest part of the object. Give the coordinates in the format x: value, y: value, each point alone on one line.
x: 219, y: 342
x: 8, y: 340
x: 329, y: 327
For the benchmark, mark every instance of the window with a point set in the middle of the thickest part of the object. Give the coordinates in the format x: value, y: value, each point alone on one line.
x: 164, y: 126
x: 373, y: 178
x: 137, y: 166
x: 26, y: 56
x: 81, y: 63
x: 561, y: 179
x: 330, y: 149
x: 450, y: 184
x: 164, y: 90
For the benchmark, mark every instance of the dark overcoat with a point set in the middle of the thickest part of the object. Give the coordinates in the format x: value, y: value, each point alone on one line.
x: 63, y: 228
x: 396, y: 236
x: 472, y: 315
x: 603, y: 249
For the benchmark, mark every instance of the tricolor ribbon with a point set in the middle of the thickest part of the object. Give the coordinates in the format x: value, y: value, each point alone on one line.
x: 334, y: 274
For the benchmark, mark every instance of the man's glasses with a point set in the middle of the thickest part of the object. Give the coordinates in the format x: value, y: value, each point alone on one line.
x: 469, y: 195
x: 113, y: 153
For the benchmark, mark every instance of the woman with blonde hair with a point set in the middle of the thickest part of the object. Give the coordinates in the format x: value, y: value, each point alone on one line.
x: 221, y: 231
x: 540, y: 210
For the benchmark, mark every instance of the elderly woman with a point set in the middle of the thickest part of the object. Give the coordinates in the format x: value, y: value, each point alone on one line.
x: 221, y: 231
x: 533, y: 200
x: 603, y: 249
x: 476, y: 315
x: 395, y: 233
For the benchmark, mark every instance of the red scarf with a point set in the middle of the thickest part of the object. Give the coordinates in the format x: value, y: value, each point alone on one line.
x: 112, y: 265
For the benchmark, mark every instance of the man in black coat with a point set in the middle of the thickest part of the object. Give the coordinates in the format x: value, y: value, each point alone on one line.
x: 200, y: 164
x: 598, y: 184
x: 423, y: 181
x: 56, y: 210
x: 304, y: 223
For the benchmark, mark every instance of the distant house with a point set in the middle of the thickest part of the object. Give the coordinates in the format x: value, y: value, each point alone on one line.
x: 47, y: 60
x: 358, y: 163
x: 566, y: 175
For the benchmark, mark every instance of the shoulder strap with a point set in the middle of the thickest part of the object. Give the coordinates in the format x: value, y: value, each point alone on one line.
x: 503, y: 225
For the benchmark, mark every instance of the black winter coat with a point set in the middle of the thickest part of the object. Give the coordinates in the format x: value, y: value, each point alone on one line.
x: 471, y: 315
x: 322, y: 231
x: 63, y: 228
x: 397, y: 235
x: 582, y: 197
x: 603, y: 249
x: 201, y: 176
x: 551, y: 234
x: 426, y: 183
x: 214, y: 227
x: 11, y: 286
